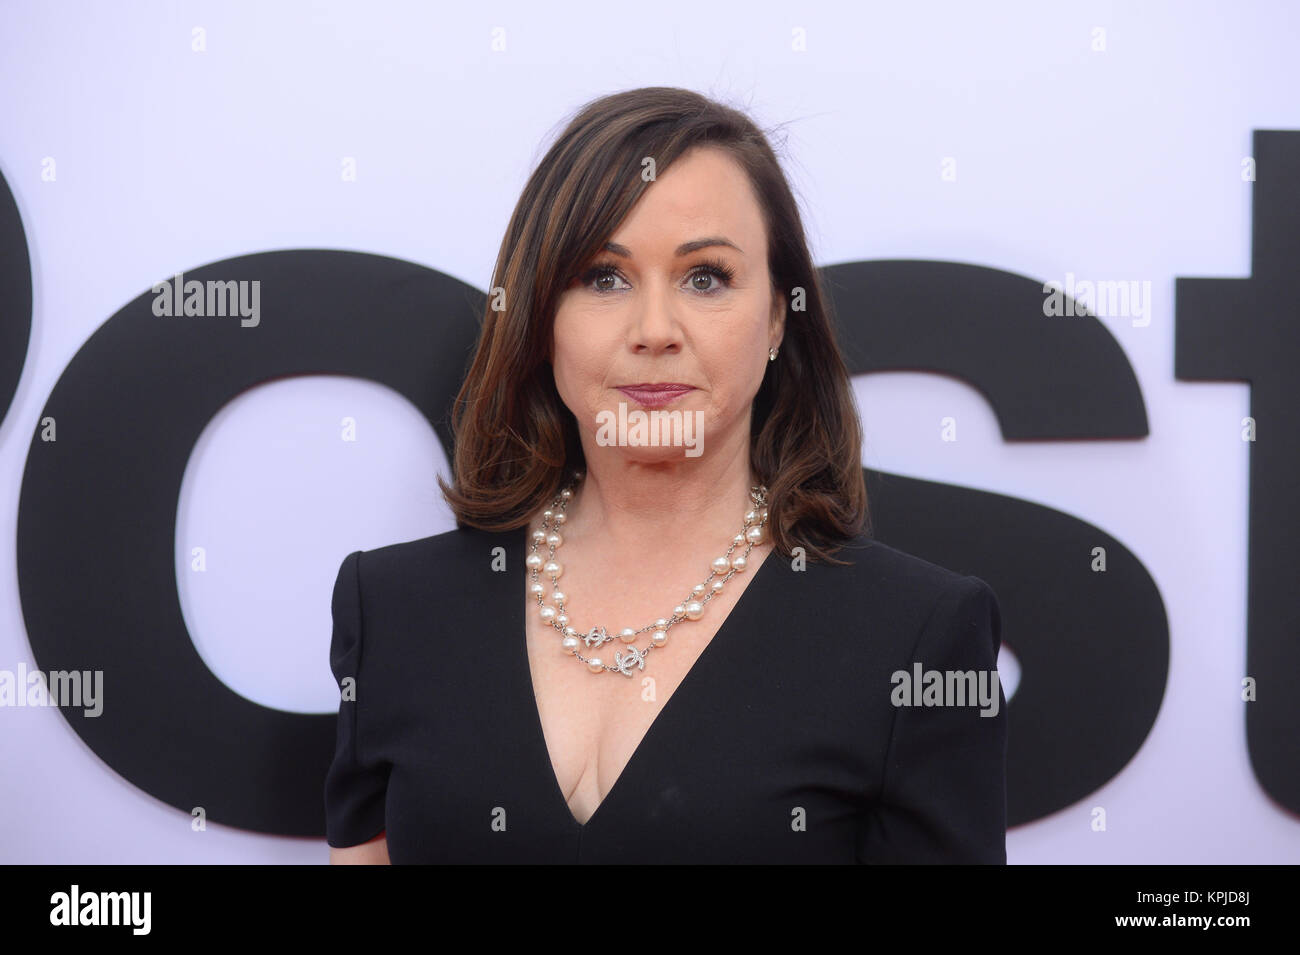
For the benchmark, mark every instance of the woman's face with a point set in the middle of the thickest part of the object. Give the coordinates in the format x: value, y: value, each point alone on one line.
x: 681, y: 295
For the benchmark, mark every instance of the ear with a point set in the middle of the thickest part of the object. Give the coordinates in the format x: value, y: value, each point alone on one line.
x: 778, y: 318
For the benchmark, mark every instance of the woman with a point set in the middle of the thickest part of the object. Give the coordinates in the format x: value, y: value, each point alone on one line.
x: 659, y: 644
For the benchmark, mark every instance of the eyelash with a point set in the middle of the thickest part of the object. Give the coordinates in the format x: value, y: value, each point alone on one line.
x: 715, y: 267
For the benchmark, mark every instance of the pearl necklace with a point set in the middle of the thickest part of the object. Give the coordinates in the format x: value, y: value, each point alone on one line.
x: 722, y: 568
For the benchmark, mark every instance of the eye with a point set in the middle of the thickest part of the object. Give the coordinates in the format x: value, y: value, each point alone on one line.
x: 599, y: 274
x: 714, y: 269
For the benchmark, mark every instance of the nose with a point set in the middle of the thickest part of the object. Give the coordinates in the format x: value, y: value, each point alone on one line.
x: 655, y: 327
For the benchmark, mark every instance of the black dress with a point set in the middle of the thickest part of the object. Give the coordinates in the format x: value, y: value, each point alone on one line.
x: 783, y: 742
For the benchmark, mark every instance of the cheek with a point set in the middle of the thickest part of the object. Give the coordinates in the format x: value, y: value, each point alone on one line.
x: 732, y: 386
x: 580, y: 365
x: 732, y: 370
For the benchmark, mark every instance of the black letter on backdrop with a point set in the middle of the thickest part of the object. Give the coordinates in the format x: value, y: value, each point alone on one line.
x: 1093, y: 647
x: 16, y: 304
x: 1249, y: 330
x: 97, y: 516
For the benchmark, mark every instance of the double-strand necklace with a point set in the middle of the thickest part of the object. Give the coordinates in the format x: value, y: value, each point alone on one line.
x: 722, y: 569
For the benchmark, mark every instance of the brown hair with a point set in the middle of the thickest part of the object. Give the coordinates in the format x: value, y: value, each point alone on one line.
x: 516, y: 441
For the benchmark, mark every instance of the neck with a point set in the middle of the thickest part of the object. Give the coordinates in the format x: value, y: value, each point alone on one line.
x: 637, y: 508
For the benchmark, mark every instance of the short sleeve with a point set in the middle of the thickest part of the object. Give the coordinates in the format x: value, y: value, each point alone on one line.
x: 943, y: 796
x: 356, y: 785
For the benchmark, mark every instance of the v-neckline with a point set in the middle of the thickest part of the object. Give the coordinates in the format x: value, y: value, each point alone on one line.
x: 537, y: 734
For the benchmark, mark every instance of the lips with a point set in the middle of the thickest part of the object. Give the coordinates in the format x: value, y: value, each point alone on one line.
x: 657, y: 394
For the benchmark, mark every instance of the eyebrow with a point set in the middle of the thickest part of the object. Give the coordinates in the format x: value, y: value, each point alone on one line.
x: 686, y: 248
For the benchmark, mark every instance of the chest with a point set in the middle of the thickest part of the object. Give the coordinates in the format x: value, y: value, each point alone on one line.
x: 594, y: 723
x: 752, y: 736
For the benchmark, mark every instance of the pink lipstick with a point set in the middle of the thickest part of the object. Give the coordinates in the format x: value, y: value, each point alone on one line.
x: 656, y: 394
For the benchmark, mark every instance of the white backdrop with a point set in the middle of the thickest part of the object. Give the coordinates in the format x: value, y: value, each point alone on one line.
x: 1114, y: 163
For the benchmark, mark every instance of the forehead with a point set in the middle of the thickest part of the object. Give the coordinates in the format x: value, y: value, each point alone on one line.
x: 704, y: 189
